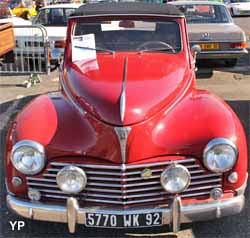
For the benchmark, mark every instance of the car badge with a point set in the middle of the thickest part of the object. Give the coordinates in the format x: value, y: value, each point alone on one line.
x: 205, y: 36
x: 146, y: 173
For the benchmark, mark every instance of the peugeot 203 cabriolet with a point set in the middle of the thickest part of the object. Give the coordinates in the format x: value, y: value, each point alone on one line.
x: 129, y: 141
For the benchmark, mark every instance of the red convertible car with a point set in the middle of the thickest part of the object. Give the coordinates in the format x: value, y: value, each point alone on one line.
x: 128, y: 141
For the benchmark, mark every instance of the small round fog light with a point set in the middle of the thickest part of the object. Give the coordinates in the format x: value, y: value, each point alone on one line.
x: 233, y: 177
x: 175, y: 178
x: 34, y: 194
x: 16, y: 181
x: 71, y: 179
x: 216, y: 193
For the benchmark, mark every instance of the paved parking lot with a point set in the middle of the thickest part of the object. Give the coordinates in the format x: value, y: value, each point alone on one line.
x: 231, y: 84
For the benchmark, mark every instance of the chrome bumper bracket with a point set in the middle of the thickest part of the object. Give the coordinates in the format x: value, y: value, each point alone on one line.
x: 176, y: 214
x: 72, y: 209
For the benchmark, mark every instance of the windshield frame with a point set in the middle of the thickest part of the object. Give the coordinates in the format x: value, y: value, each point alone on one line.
x: 153, y: 18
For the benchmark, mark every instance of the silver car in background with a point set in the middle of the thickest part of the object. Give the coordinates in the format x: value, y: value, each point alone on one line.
x: 211, y: 26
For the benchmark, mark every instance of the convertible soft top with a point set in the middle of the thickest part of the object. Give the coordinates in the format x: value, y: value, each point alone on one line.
x: 124, y: 8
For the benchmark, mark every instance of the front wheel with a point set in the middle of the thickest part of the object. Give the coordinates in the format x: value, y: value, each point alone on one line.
x: 230, y: 62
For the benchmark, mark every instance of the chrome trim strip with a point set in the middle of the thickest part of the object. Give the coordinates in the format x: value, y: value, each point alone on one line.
x: 89, y: 173
x: 123, y: 90
x: 127, y: 166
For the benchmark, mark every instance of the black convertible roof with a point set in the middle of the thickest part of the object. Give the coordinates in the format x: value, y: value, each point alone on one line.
x: 124, y: 8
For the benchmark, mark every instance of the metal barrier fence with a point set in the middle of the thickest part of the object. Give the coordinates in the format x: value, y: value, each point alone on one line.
x: 31, y: 53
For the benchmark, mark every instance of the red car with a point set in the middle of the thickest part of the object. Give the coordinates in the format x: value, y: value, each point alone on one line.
x: 128, y: 141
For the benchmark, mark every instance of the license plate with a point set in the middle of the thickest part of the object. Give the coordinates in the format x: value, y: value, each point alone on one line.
x: 210, y: 46
x: 121, y: 221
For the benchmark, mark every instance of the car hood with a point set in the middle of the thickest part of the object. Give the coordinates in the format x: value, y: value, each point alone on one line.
x: 216, y: 32
x: 17, y: 21
x: 124, y: 89
x: 56, y: 32
x: 244, y: 5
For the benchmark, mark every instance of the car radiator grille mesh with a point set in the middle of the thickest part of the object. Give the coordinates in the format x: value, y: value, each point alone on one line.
x: 124, y: 185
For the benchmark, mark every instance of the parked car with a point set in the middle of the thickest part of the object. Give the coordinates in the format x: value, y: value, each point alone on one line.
x: 54, y: 18
x: 128, y: 141
x: 238, y: 7
x: 7, y: 17
x: 211, y: 26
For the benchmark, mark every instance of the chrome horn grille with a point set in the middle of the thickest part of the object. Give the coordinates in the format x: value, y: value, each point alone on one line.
x: 124, y: 185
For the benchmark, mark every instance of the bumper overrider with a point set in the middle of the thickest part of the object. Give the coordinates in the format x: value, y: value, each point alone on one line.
x: 174, y: 214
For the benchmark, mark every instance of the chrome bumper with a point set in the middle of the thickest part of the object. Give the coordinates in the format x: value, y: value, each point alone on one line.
x: 175, y: 214
x: 222, y: 54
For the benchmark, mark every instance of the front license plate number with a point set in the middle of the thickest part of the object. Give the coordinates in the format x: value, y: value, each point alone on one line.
x: 130, y: 220
x: 210, y: 46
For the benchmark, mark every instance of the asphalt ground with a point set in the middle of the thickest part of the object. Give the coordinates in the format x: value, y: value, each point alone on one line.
x: 232, y: 84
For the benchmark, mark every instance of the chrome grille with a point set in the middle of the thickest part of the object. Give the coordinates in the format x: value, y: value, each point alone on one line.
x: 123, y: 184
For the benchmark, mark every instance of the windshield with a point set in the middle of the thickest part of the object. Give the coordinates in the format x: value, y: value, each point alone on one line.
x: 54, y: 16
x: 130, y: 35
x: 201, y: 14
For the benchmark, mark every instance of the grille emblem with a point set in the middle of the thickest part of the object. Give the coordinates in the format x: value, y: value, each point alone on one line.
x: 146, y: 173
x: 123, y: 133
x: 205, y: 36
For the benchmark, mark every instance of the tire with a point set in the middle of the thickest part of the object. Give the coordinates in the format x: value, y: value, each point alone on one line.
x: 231, y: 62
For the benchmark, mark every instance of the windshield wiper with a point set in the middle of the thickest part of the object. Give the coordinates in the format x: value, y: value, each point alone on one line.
x: 158, y: 49
x: 97, y: 49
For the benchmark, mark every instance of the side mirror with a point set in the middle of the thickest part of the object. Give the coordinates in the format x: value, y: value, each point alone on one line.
x: 195, y: 49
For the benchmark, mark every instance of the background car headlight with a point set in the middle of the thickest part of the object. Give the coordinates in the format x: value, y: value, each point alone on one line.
x: 28, y: 157
x: 220, y: 155
x: 71, y: 179
x: 175, y: 178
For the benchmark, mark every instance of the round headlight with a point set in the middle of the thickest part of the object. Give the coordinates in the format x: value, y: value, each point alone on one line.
x: 220, y: 155
x: 175, y: 178
x: 71, y: 179
x: 28, y: 157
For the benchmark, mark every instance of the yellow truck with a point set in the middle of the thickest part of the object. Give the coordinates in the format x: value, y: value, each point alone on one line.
x: 26, y: 10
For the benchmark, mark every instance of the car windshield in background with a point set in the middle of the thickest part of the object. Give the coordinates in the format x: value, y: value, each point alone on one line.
x: 199, y: 14
x: 132, y: 35
x: 239, y: 1
x: 54, y: 16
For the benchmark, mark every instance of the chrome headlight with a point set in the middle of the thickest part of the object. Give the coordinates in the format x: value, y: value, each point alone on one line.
x: 28, y: 157
x: 175, y: 178
x: 220, y: 155
x: 71, y: 179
